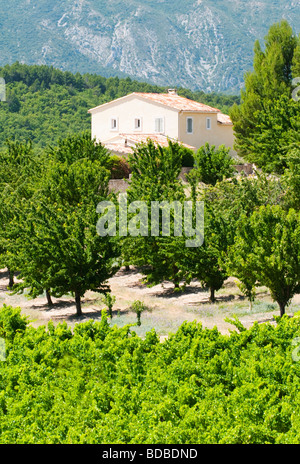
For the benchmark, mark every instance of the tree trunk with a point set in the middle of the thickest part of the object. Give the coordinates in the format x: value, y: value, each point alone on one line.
x: 110, y: 311
x: 212, y: 297
x: 78, y: 303
x: 11, y: 278
x: 48, y: 295
x: 282, y: 309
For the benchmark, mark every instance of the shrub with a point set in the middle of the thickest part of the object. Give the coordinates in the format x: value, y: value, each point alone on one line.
x: 119, y: 167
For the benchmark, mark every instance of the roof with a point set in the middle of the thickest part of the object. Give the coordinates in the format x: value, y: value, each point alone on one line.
x: 170, y: 100
x: 124, y: 143
x: 178, y: 102
x: 224, y: 119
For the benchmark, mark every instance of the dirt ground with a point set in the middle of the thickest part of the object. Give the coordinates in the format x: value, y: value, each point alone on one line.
x: 166, y: 310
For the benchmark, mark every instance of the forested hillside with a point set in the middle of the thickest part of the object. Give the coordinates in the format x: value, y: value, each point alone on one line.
x: 44, y: 103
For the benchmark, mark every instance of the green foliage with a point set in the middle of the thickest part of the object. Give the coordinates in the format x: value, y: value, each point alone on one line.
x: 212, y: 165
x: 45, y: 104
x: 266, y: 250
x: 77, y: 147
x: 19, y: 175
x: 119, y: 167
x: 204, y: 263
x: 138, y: 307
x: 291, y: 180
x: 105, y: 385
x: 267, y: 111
x: 155, y: 172
x: 11, y: 322
x: 58, y: 248
x: 269, y: 148
x: 109, y: 300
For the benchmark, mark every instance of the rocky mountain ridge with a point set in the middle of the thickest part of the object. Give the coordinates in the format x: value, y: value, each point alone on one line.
x: 198, y: 44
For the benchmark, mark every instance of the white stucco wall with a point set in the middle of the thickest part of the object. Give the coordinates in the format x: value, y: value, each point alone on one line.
x: 126, y: 111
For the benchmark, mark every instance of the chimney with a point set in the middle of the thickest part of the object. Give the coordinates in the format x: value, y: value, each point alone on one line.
x: 172, y: 91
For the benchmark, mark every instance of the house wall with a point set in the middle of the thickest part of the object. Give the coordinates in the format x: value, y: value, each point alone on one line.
x: 126, y: 111
x: 217, y: 135
x: 226, y: 137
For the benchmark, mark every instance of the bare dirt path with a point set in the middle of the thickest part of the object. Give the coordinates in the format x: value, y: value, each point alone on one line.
x: 167, y: 310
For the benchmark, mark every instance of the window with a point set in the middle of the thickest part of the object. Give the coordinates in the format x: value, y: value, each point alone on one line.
x: 159, y: 125
x: 189, y: 125
x: 208, y: 123
x: 114, y: 124
x: 138, y: 124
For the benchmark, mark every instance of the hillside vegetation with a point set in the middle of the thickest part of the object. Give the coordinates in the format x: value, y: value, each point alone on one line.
x: 44, y: 104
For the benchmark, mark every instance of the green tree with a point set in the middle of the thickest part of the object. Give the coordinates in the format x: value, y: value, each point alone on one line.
x: 205, y: 263
x: 269, y: 81
x: 155, y: 172
x: 269, y: 244
x: 241, y: 263
x: 59, y: 249
x: 212, y: 165
x: 109, y: 300
x: 19, y: 176
x: 77, y: 147
x: 291, y: 180
x: 275, y: 128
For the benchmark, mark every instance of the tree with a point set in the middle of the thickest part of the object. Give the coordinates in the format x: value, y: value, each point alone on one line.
x: 238, y: 263
x: 138, y: 307
x: 269, y: 82
x: 225, y: 203
x: 205, y: 263
x: 59, y: 249
x: 77, y: 147
x: 269, y: 244
x: 155, y: 172
x: 19, y: 171
x: 269, y: 147
x: 212, y: 165
x: 109, y: 300
x: 291, y: 180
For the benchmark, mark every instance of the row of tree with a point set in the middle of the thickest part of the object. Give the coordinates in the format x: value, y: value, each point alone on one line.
x: 49, y: 201
x: 49, y: 221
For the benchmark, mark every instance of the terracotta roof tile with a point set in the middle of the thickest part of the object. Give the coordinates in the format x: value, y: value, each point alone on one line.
x: 224, y: 119
x: 178, y: 102
x: 171, y: 100
x: 130, y: 140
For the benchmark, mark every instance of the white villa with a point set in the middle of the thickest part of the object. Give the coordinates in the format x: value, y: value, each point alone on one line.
x: 124, y: 122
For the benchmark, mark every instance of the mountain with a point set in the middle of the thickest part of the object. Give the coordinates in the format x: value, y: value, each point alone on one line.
x: 198, y: 44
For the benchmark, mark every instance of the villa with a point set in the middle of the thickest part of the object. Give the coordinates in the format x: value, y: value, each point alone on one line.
x: 127, y: 121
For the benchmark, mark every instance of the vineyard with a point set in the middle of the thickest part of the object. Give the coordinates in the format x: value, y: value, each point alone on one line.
x: 102, y: 384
